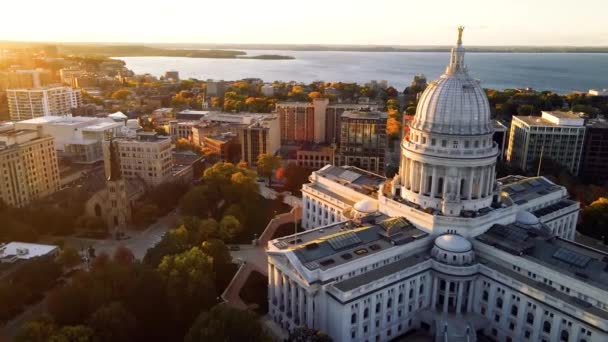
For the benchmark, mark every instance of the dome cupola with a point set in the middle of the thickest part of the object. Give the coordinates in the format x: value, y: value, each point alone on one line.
x: 455, y: 103
x: 453, y: 249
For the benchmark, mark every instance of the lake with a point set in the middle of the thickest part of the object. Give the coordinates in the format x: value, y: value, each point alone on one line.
x: 559, y: 72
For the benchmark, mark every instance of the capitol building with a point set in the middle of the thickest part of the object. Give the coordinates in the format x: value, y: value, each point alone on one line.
x: 444, y: 248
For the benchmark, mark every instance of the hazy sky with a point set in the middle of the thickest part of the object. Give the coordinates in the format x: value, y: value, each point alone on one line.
x: 398, y: 22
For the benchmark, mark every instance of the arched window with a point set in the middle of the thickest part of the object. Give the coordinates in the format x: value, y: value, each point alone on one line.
x: 547, y: 327
x: 97, y: 210
x: 353, y: 318
x: 377, y: 307
x: 411, y: 293
x: 564, y: 336
x: 484, y: 296
x: 400, y: 298
x: 514, y: 310
x: 530, y: 318
x: 421, y: 290
x: 365, y: 313
x: 499, y: 303
x: 389, y: 303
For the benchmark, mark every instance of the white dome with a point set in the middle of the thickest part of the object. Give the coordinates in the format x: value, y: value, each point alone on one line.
x: 367, y: 206
x: 453, y: 243
x: 455, y: 103
x: 526, y: 218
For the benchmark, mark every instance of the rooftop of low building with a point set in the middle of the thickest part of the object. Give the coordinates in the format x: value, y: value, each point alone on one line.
x: 352, y: 177
x: 537, y: 244
x: 336, y: 244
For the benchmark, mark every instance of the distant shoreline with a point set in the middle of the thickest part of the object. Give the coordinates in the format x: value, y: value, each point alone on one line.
x: 201, y: 50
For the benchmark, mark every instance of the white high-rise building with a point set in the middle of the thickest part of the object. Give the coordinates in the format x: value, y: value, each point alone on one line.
x: 443, y: 248
x: 26, y: 104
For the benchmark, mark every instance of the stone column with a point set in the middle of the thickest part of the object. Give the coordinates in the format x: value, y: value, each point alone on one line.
x: 471, y: 295
x: 416, y: 293
x: 470, y: 183
x: 434, y: 182
x: 446, y: 296
x: 538, y: 323
x: 301, y: 295
x: 480, y: 191
x: 458, y: 186
x: 309, y: 313
x: 270, y: 282
x: 435, y: 289
x: 422, y: 178
x: 404, y: 173
x: 411, y: 175
x: 277, y: 286
x: 292, y: 288
x: 459, y: 298
x: 284, y: 291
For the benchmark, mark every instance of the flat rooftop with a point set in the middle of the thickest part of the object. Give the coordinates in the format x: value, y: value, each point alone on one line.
x: 24, y: 250
x: 522, y: 189
x: 364, y: 115
x: 538, y: 245
x: 337, y: 244
x: 357, y: 179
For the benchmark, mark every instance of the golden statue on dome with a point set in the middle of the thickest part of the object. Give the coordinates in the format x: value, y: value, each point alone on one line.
x: 460, y: 29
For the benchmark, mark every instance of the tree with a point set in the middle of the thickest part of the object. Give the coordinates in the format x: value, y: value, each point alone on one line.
x: 113, y: 323
x: 314, y: 95
x: 304, y: 334
x: 75, y: 333
x: 229, y: 228
x: 188, y: 277
x: 196, y: 201
x: 69, y: 257
x: 295, y: 176
x: 217, y: 249
x: 173, y: 242
x: 525, y: 109
x: 161, y: 131
x: 35, y: 331
x: 121, y: 94
x: 123, y: 255
x: 595, y: 219
x: 224, y: 323
x: 267, y: 163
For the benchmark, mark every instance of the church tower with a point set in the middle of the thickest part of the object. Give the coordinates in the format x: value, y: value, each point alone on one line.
x: 118, y: 214
x: 448, y: 159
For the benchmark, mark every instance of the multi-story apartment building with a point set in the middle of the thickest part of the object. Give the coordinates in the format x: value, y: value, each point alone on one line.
x: 147, y: 157
x: 317, y: 121
x: 26, y: 104
x: 28, y: 166
x: 363, y: 141
x: 594, y: 161
x: 316, y: 156
x: 443, y: 248
x: 554, y: 135
x: 77, y: 138
x: 28, y: 79
x: 260, y: 137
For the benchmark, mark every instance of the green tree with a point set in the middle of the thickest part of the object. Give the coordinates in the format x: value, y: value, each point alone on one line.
x: 113, y: 323
x: 217, y: 249
x: 224, y: 323
x: 189, y: 281
x: 525, y: 109
x: 173, y: 242
x: 76, y: 333
x: 229, y: 228
x: 35, y: 331
x: 267, y: 163
x: 595, y: 219
x: 304, y: 334
x: 121, y: 94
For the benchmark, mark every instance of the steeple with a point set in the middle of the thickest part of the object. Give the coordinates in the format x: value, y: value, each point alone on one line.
x: 457, y: 56
x: 115, y: 173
